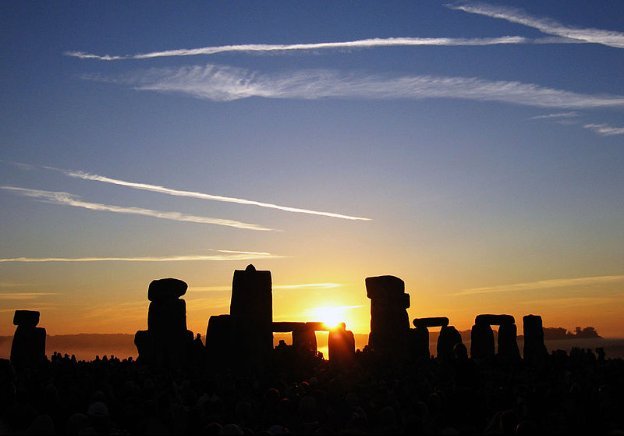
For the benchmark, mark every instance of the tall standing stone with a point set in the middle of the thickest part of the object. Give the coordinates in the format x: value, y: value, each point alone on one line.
x: 304, y: 341
x: 418, y: 343
x: 28, y: 347
x: 389, y: 319
x: 535, y: 350
x: 448, y: 339
x: 507, y: 343
x: 219, y: 338
x: 166, y: 342
x: 251, y: 311
x: 482, y: 342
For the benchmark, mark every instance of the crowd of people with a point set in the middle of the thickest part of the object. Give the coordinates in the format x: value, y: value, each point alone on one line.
x: 576, y: 392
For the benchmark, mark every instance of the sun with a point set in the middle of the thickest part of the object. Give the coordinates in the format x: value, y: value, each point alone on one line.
x: 331, y: 316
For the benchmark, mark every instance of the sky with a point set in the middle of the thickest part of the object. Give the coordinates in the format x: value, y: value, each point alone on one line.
x: 474, y: 150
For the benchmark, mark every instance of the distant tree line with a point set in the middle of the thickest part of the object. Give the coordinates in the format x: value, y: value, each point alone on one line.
x: 579, y: 333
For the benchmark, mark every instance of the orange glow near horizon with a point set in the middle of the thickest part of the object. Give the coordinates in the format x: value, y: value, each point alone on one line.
x: 331, y: 316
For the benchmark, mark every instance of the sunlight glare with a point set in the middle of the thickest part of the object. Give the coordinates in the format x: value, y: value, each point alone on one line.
x: 331, y: 316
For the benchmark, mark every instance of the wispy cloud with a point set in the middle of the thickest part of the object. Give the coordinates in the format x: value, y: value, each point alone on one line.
x: 545, y: 284
x: 310, y: 286
x: 568, y: 302
x: 605, y: 129
x: 226, y: 256
x: 24, y: 295
x: 556, y: 116
x: 39, y: 306
x: 223, y: 83
x: 551, y: 27
x: 326, y: 285
x: 66, y: 199
x: 320, y: 46
x: 199, y: 195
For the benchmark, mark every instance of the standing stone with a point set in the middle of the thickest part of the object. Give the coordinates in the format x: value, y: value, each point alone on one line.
x: 251, y: 310
x: 389, y: 319
x: 448, y: 339
x: 341, y: 346
x: 28, y: 347
x: 304, y: 341
x: 482, y: 342
x: 507, y: 343
x: 167, y: 316
x: 26, y: 318
x: 534, y: 349
x: 219, y: 338
x: 167, y: 342
x: 418, y: 343
x: 166, y: 289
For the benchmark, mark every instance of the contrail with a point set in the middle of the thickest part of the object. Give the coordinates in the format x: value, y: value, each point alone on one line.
x: 64, y: 198
x: 227, y: 256
x: 200, y: 195
x: 357, y: 44
x: 135, y: 259
x: 609, y: 38
x: 224, y: 83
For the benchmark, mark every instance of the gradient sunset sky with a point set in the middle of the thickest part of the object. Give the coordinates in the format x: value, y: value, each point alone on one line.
x: 475, y: 150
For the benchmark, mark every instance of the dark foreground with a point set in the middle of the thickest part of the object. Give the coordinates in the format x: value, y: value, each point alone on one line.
x: 569, y: 393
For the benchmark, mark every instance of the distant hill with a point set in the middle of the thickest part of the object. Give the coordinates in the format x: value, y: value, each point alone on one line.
x: 85, y: 346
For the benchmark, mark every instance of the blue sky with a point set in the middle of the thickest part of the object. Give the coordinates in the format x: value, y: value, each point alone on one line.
x: 481, y: 142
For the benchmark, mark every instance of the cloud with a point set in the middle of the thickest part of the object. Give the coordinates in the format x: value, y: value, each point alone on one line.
x: 310, y: 286
x: 38, y: 306
x: 569, y: 302
x: 199, y: 195
x: 66, y: 199
x: 318, y: 46
x: 544, y: 284
x: 223, y: 83
x: 556, y: 116
x: 551, y: 27
x: 227, y: 256
x: 604, y: 129
x: 223, y: 288
x: 17, y: 296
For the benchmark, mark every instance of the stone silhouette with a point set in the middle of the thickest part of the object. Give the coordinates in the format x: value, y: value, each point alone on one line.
x: 534, y: 349
x: 418, y: 343
x: 251, y: 312
x: 482, y: 338
x: 244, y: 338
x: 303, y: 336
x: 447, y: 342
x: 166, y: 342
x: 389, y: 319
x: 341, y: 346
x: 507, y: 343
x: 220, y: 339
x: 28, y: 347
